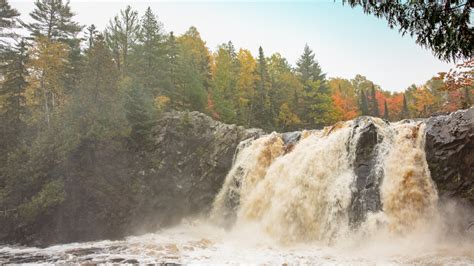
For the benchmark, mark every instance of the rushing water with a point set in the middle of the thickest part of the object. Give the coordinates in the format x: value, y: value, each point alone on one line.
x: 288, y: 198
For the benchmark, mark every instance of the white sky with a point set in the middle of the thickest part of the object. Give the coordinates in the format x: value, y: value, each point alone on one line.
x: 346, y: 41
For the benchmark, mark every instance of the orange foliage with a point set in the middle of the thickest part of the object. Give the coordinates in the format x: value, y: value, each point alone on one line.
x: 346, y: 107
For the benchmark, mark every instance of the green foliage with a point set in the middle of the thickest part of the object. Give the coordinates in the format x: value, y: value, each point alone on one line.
x: 363, y: 103
x: 50, y: 195
x: 386, y: 115
x: 53, y: 20
x: 140, y: 113
x: 442, y: 26
x: 12, y: 90
x: 121, y: 34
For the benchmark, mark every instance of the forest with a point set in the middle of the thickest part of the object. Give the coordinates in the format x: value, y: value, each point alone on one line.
x: 63, y: 83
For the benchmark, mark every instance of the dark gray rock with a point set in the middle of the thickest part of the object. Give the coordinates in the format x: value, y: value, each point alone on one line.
x: 450, y: 153
x: 365, y: 190
x: 112, y: 190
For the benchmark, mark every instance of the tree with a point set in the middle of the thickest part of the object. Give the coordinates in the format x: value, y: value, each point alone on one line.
x: 344, y: 99
x: 149, y: 61
x: 261, y: 102
x: 8, y: 21
x: 363, y: 103
x: 374, y: 106
x: 53, y: 20
x: 12, y: 90
x: 442, y: 26
x: 121, y: 34
x: 193, y: 48
x: 284, y: 93
x: 192, y: 73
x: 405, y: 112
x: 47, y: 67
x: 139, y: 113
x: 91, y: 34
x: 96, y: 108
x: 224, y: 92
x: 386, y: 115
x: 246, y: 86
x: 317, y: 102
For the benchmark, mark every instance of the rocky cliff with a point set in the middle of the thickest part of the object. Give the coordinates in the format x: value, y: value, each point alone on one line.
x: 111, y: 191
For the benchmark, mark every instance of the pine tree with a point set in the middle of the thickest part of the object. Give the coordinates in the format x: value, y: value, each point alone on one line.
x: 91, y: 34
x: 8, y: 21
x: 317, y: 108
x: 261, y: 104
x: 363, y: 103
x: 148, y: 60
x: 139, y: 113
x: 96, y: 108
x: 53, y: 20
x: 386, y: 114
x: 373, y: 102
x: 307, y: 67
x: 12, y: 90
x: 405, y: 112
x: 121, y: 34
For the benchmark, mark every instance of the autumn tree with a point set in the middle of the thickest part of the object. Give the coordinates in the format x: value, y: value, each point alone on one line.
x: 246, y: 86
x: 344, y: 98
x: 47, y: 67
x: 284, y: 93
x: 225, y: 75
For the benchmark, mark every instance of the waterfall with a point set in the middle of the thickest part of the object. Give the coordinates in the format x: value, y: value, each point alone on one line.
x: 364, y: 175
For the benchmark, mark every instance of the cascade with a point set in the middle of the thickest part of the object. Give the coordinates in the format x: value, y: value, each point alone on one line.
x: 364, y: 175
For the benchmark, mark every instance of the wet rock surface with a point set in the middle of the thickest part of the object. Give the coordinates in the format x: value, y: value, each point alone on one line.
x: 366, y: 189
x: 450, y: 154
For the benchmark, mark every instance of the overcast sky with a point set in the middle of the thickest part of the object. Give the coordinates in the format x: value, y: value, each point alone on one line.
x: 346, y: 41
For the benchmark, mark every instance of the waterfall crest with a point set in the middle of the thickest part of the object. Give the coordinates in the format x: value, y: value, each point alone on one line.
x: 364, y: 175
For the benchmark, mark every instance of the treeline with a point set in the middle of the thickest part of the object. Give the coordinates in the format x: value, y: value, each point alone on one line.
x: 65, y: 84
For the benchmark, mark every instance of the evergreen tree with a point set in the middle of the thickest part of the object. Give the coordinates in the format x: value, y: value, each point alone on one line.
x: 386, y: 114
x: 149, y: 56
x: 91, y: 34
x: 8, y: 21
x: 12, y: 90
x: 373, y: 102
x: 96, y: 108
x: 121, y: 34
x: 317, y: 103
x: 405, y: 112
x: 307, y: 67
x: 139, y: 113
x: 363, y: 103
x: 53, y: 20
x: 261, y: 102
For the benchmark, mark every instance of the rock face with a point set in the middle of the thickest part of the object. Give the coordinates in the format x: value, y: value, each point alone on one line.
x: 450, y: 153
x: 112, y: 191
x: 365, y: 193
